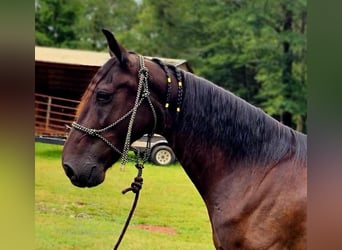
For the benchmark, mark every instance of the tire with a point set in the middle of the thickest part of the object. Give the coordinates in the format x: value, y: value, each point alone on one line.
x: 162, y: 155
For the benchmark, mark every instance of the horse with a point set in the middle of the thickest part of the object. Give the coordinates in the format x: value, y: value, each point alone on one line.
x: 249, y: 169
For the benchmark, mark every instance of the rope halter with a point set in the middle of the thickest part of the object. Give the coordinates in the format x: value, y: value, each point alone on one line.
x: 142, y: 94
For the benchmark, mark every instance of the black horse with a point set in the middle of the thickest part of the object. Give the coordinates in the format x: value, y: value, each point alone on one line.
x: 250, y: 170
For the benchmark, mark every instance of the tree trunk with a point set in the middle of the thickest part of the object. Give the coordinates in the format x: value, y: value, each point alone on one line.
x: 288, y: 60
x: 300, y: 124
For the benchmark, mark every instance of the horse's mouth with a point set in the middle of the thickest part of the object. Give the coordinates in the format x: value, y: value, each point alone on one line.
x: 92, y: 178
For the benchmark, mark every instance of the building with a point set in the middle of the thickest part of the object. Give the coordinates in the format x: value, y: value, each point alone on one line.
x: 61, y: 77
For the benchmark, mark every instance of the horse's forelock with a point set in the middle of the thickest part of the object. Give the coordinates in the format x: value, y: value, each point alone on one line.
x: 86, y: 96
x: 100, y: 74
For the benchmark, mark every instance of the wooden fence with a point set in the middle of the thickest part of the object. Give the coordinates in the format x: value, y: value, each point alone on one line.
x: 53, y: 115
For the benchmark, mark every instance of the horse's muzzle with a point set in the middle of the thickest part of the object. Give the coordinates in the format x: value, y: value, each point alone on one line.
x: 93, y: 176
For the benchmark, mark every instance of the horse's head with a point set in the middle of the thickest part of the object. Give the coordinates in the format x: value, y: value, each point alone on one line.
x: 97, y: 139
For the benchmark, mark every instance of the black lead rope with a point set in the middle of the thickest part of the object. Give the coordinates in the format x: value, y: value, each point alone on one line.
x: 135, y: 188
x: 136, y: 185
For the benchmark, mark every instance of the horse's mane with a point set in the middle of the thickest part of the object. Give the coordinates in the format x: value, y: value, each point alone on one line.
x: 220, y: 119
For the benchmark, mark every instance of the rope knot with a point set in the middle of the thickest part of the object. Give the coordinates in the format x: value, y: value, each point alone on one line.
x: 136, y: 185
x: 92, y: 132
x: 145, y: 93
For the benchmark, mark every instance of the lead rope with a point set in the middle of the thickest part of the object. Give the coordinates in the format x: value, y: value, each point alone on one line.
x: 135, y: 188
x: 136, y: 185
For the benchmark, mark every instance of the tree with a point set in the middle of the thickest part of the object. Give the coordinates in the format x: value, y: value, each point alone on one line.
x: 78, y: 24
x: 118, y: 16
x: 163, y: 28
x: 55, y: 21
x: 256, y: 49
x: 283, y: 72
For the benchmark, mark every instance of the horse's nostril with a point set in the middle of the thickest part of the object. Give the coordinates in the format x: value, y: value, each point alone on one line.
x: 69, y: 171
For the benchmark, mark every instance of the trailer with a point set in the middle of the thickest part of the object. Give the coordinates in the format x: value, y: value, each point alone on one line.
x: 161, y: 153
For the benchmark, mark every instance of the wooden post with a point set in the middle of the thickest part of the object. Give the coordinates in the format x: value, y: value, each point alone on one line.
x: 48, y: 109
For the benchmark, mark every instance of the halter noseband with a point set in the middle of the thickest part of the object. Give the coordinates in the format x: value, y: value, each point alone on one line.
x: 142, y: 94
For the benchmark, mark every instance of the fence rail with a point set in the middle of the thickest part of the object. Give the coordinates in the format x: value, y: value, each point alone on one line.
x: 53, y: 114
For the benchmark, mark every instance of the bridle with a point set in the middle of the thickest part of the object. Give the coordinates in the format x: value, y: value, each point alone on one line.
x: 142, y: 94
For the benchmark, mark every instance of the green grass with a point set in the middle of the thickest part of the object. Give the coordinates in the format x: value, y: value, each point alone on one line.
x: 68, y: 217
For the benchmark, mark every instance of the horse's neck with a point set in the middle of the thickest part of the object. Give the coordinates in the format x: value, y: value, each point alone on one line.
x: 211, y: 137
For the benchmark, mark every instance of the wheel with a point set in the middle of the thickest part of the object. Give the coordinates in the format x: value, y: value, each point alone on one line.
x: 162, y: 155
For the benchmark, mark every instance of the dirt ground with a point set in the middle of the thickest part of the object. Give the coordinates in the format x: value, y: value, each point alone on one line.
x: 159, y: 229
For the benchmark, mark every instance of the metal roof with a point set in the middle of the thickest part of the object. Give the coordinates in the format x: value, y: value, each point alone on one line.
x: 87, y: 58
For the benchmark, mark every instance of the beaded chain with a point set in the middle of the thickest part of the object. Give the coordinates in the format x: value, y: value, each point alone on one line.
x: 168, y: 77
x: 168, y: 80
x: 180, y: 87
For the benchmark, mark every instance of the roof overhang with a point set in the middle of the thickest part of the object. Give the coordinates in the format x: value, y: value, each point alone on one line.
x: 77, y: 58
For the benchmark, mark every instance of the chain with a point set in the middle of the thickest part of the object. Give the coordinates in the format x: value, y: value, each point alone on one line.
x: 179, y: 87
x: 143, y: 79
x: 168, y: 80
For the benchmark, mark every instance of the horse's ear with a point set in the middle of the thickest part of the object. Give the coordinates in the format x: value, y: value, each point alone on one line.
x: 115, y: 49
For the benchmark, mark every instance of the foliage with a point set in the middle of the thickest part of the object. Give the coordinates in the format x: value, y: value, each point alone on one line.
x: 78, y: 24
x: 55, y: 21
x: 256, y: 49
x: 117, y: 16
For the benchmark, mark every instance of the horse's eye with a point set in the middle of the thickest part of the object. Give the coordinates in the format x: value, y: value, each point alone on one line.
x: 103, y: 97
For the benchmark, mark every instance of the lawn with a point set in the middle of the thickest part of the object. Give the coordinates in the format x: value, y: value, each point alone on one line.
x: 170, y: 213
